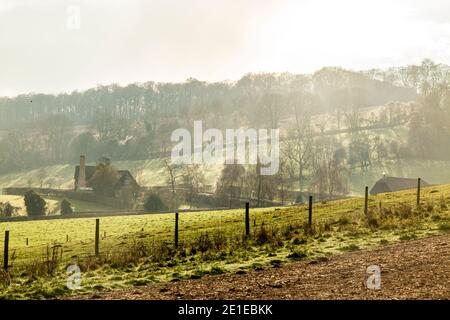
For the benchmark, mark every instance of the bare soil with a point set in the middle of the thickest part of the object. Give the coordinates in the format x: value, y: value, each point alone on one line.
x: 416, y: 269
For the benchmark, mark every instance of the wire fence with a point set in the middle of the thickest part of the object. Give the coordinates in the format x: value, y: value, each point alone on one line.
x: 102, y: 238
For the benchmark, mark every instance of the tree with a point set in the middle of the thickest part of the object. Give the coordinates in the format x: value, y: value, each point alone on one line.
x: 66, y: 207
x: 41, y: 175
x: 193, y: 179
x: 330, y: 174
x: 126, y: 197
x: 299, y: 149
x: 56, y: 129
x: 84, y: 143
x: 229, y: 186
x: 35, y: 204
x: 104, y: 179
x: 172, y: 175
x: 153, y: 202
x: 7, y: 210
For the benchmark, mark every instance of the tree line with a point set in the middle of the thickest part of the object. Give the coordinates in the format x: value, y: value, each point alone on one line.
x: 135, y: 122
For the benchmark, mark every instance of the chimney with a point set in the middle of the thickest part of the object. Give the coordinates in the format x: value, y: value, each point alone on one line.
x: 82, y: 173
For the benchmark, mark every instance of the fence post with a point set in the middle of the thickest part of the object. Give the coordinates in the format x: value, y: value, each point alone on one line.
x: 247, y: 219
x: 366, y: 200
x: 6, y: 251
x: 97, y: 236
x: 310, y: 213
x: 418, y: 192
x: 27, y: 241
x: 176, y: 229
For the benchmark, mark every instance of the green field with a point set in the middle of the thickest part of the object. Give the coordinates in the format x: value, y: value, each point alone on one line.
x: 54, y: 204
x: 149, y: 173
x: 137, y: 250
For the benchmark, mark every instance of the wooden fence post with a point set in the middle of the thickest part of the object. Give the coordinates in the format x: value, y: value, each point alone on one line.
x: 247, y: 219
x: 418, y: 192
x: 6, y: 251
x: 366, y: 201
x: 97, y: 236
x: 176, y: 229
x: 310, y: 213
x: 27, y: 241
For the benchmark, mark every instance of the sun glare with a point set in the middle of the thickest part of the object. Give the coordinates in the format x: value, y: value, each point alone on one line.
x: 306, y: 35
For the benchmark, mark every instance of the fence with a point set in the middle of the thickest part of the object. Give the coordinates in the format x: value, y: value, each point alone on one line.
x: 225, y: 224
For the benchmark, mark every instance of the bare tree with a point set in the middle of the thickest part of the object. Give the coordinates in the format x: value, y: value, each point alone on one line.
x: 193, y: 179
x: 230, y: 184
x: 172, y: 176
x: 330, y: 173
x: 299, y: 148
x: 41, y: 175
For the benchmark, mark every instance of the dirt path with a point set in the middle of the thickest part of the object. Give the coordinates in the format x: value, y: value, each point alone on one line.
x: 418, y: 269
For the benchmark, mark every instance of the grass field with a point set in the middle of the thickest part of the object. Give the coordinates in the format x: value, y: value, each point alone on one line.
x: 150, y: 173
x: 54, y: 204
x: 137, y: 250
x: 17, y: 202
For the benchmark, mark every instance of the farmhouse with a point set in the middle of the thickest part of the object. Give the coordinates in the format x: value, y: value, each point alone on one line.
x: 392, y: 184
x: 84, y: 173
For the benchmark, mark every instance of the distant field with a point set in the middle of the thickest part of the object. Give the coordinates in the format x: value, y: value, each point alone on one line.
x: 341, y: 227
x: 149, y: 173
x: 53, y: 205
x: 17, y: 201
x: 119, y: 230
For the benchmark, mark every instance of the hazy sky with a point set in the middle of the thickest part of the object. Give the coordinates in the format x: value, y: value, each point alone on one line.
x: 123, y: 41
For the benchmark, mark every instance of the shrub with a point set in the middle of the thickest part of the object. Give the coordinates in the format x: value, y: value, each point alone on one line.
x: 350, y: 247
x: 262, y: 235
x: 443, y: 204
x: 298, y: 254
x: 444, y: 227
x: 153, y: 202
x: 35, y: 204
x: 219, y: 240
x: 429, y: 206
x: 8, y: 210
x: 404, y: 211
x: 216, y: 270
x: 203, y: 243
x: 66, y: 207
x: 372, y: 220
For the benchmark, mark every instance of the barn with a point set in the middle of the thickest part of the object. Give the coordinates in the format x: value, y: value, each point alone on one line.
x: 392, y: 184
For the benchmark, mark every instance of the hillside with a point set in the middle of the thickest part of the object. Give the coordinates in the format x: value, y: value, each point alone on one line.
x: 139, y: 250
x: 404, y: 276
x: 151, y: 173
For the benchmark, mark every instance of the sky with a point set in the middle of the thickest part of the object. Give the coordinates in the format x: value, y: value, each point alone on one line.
x: 54, y: 46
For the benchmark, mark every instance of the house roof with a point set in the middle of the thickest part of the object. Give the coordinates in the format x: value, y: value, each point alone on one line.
x: 124, y: 175
x: 391, y: 184
x: 89, y: 172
